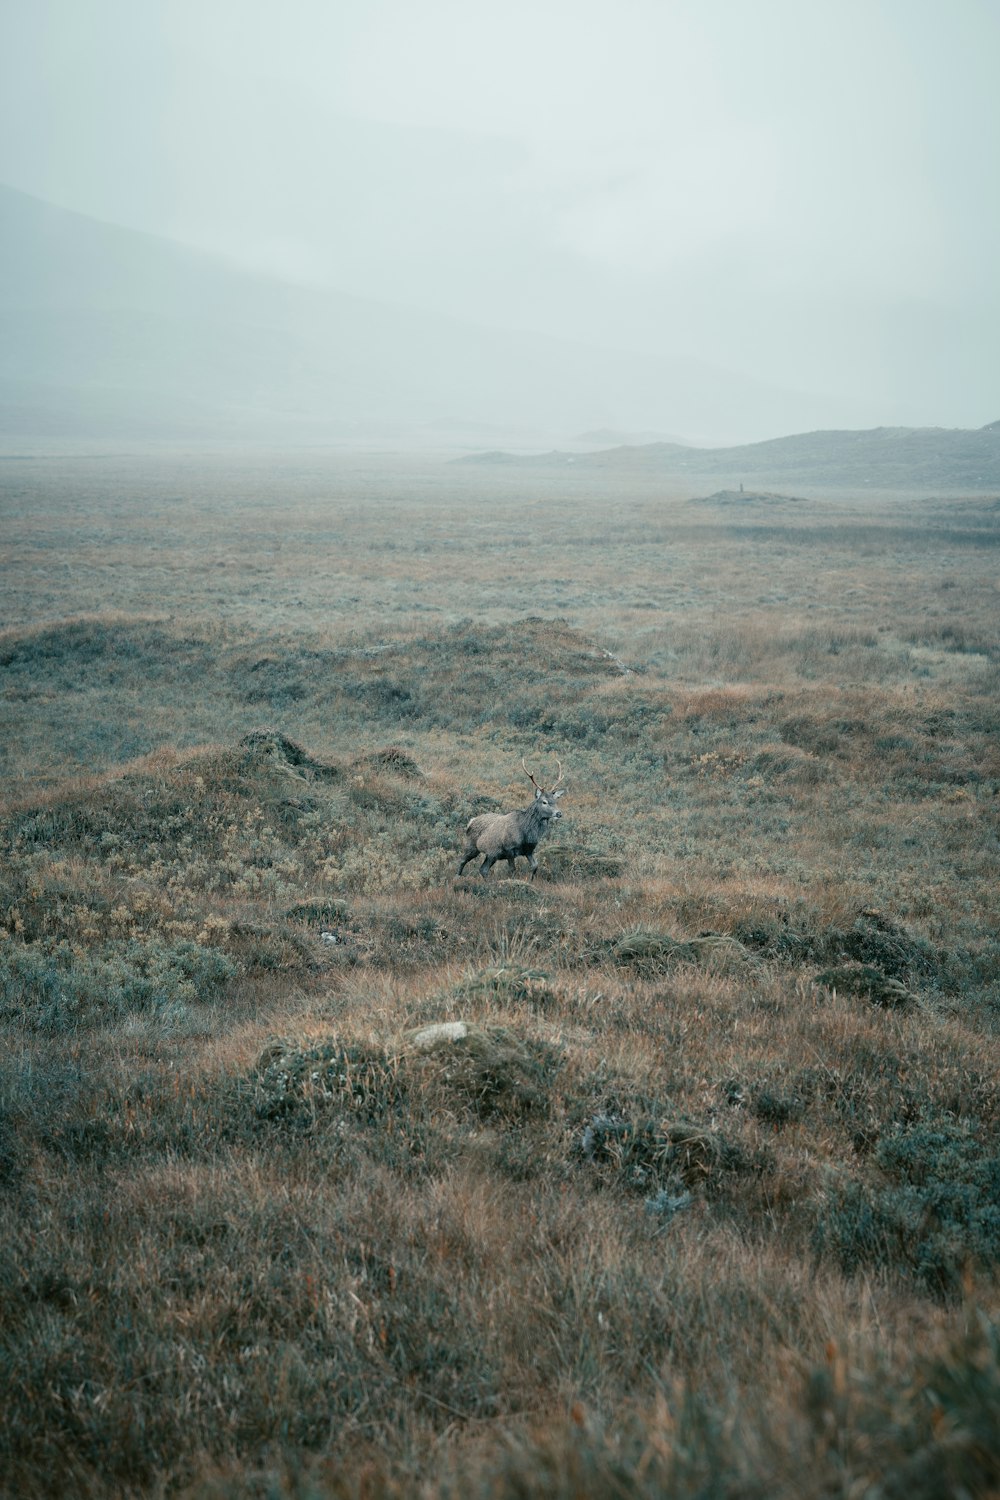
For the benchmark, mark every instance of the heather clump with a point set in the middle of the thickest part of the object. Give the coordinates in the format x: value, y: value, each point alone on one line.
x: 295, y: 1083
x: 932, y: 1211
x: 54, y: 988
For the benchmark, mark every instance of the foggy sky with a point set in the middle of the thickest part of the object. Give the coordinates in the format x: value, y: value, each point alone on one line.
x: 803, y: 190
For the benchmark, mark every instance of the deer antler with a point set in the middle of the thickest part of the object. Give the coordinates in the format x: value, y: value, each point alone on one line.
x: 527, y: 773
x: 559, y: 777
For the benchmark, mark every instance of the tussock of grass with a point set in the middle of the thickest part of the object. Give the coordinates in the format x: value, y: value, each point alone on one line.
x: 867, y: 982
x: 291, y: 1082
x: 491, y: 1070
x: 924, y: 1433
x: 324, y: 914
x: 658, y: 952
x: 567, y: 862
x: 509, y: 985
x: 646, y: 1153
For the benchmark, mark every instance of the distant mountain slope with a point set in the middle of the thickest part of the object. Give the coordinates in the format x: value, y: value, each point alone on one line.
x: 880, y: 458
x: 105, y: 331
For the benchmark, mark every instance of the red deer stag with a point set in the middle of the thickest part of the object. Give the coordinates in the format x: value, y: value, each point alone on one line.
x: 506, y: 835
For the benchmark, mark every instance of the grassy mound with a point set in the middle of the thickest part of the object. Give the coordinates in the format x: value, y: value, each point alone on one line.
x: 867, y: 982
x: 657, y: 952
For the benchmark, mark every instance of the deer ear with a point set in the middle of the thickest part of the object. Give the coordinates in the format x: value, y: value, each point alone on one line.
x: 538, y: 792
x: 556, y: 795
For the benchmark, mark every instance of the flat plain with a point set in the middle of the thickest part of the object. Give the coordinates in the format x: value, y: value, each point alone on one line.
x: 703, y: 1195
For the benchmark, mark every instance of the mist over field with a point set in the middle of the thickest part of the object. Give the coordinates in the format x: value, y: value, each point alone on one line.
x: 415, y: 419
x: 715, y: 223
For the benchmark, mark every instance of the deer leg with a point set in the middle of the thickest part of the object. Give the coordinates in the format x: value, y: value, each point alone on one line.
x: 512, y: 861
x: 465, y: 861
x: 487, y: 865
x: 534, y: 865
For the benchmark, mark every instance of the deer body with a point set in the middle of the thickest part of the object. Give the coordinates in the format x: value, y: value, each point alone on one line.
x: 506, y: 835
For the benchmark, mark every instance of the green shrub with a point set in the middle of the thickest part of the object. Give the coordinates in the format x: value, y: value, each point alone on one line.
x: 52, y: 986
x: 936, y: 1213
x: 873, y: 940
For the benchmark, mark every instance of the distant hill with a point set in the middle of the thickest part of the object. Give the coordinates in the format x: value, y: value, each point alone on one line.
x: 748, y: 498
x: 108, y: 332
x: 880, y: 458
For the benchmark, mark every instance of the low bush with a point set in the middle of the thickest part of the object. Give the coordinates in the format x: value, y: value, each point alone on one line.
x: 872, y: 939
x: 932, y: 1215
x: 295, y: 1084
x: 53, y: 987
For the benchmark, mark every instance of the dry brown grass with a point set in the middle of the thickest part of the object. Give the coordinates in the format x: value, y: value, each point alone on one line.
x: 679, y: 1214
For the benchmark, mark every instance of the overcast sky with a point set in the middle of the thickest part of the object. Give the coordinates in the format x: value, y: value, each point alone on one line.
x: 805, y: 190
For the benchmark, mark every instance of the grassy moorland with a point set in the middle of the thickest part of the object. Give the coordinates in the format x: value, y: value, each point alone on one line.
x: 703, y: 1198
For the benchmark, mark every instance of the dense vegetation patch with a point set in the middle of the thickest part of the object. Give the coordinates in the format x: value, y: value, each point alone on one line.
x: 934, y: 1209
x: 51, y: 987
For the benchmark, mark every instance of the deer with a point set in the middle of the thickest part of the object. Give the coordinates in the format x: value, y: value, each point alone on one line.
x: 506, y: 835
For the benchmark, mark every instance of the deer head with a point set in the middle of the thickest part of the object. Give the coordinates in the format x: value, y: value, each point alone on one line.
x: 545, y: 801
